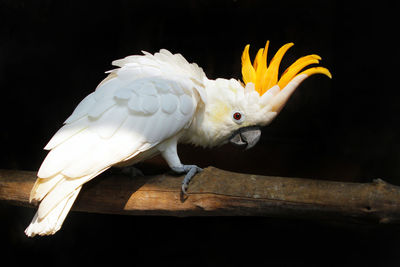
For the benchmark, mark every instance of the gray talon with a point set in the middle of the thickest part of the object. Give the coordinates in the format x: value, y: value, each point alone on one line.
x: 190, y: 171
x: 184, y: 188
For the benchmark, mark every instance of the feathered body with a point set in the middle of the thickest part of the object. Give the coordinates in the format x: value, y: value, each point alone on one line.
x: 143, y: 108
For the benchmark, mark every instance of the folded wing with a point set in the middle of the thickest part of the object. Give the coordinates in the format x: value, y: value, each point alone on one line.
x: 118, y: 121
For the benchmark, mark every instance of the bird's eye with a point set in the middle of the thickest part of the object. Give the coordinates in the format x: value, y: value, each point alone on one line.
x: 238, y: 117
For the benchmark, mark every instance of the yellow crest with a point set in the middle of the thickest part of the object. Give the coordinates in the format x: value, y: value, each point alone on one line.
x: 265, y: 76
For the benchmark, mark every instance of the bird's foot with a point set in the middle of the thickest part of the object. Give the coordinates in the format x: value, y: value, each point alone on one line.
x: 131, y: 171
x: 190, y: 171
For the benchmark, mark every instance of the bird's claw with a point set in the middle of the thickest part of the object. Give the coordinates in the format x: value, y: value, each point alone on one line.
x: 184, y: 188
x: 190, y: 171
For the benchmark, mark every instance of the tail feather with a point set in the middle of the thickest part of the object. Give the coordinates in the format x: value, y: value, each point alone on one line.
x: 57, y: 194
x: 43, y: 186
x: 60, y: 192
x: 51, y: 223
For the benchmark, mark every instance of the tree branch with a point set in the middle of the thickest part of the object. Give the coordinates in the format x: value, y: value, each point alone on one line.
x: 216, y: 192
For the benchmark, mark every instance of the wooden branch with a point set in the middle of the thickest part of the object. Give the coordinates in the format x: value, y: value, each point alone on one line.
x: 216, y: 192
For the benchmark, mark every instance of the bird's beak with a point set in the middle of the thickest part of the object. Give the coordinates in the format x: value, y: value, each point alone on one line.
x: 247, y: 136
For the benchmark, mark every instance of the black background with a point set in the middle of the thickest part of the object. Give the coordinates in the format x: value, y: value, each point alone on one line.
x: 54, y: 53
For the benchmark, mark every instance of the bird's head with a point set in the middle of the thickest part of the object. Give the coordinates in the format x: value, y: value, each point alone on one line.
x: 235, y: 111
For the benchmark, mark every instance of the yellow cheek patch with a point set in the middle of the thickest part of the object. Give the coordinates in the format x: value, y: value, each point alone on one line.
x: 265, y: 76
x: 219, y: 112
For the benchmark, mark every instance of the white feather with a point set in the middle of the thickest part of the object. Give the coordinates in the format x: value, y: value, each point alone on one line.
x: 54, y: 220
x: 105, y: 153
x: 149, y: 104
x: 160, y: 124
x: 58, y: 194
x: 65, y: 153
x: 100, y: 107
x: 280, y: 99
x: 109, y: 122
x: 269, y: 95
x: 163, y: 87
x: 134, y: 103
x: 177, y: 90
x: 169, y: 103
x: 67, y: 131
x: 107, y: 89
x: 122, y: 94
x: 81, y: 110
x: 43, y: 186
x: 146, y: 89
x: 186, y: 104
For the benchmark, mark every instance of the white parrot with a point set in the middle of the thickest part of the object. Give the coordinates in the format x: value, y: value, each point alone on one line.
x: 146, y: 107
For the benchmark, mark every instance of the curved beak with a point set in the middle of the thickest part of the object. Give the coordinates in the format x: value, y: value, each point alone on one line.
x: 247, y: 136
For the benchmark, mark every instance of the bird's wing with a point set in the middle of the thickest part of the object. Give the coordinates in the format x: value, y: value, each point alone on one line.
x: 116, y: 122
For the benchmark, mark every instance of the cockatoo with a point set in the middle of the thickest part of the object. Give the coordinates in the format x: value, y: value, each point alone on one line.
x: 146, y: 107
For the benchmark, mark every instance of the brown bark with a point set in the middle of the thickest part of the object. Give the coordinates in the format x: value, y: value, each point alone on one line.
x: 216, y: 192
